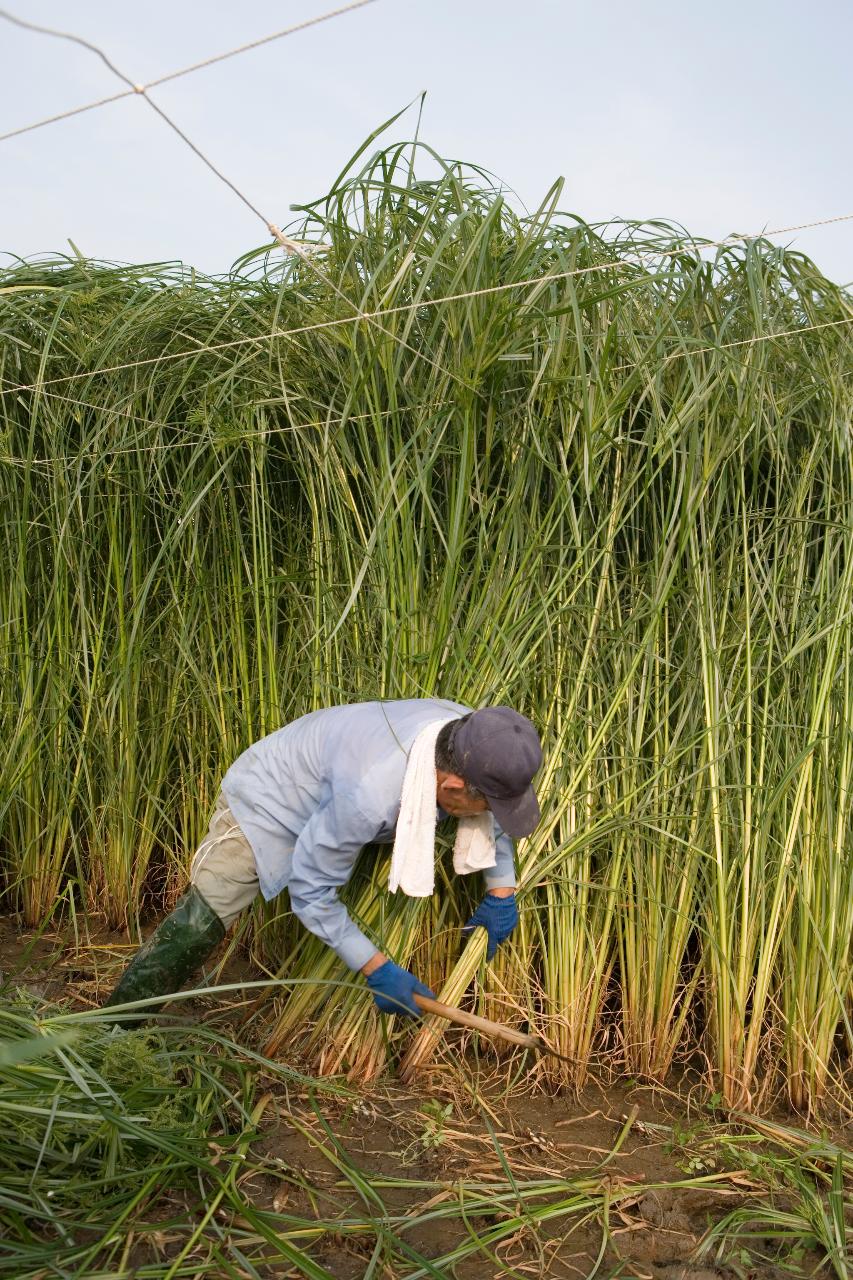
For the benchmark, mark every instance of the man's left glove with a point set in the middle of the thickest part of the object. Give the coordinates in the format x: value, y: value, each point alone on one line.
x: 394, y: 988
x: 498, y: 916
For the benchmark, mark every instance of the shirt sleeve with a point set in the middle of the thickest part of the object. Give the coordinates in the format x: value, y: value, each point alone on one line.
x: 502, y: 874
x: 323, y: 859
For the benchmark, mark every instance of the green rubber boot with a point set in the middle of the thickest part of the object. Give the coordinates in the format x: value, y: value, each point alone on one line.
x: 176, y: 948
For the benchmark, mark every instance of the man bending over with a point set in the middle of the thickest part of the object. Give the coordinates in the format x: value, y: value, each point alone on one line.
x: 298, y: 806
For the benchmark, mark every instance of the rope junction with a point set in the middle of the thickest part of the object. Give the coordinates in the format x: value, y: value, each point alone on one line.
x: 303, y: 250
x: 171, y: 75
x: 291, y: 246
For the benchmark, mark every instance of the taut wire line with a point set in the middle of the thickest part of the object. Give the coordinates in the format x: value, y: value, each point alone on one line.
x: 276, y: 334
x: 264, y: 432
x: 68, y: 35
x: 66, y: 115
x: 285, y: 241
x: 171, y: 75
x: 298, y: 248
x: 193, y: 441
x: 741, y: 342
x: 291, y: 246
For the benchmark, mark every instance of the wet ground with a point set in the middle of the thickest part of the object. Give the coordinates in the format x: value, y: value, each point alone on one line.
x: 648, y: 1234
x: 415, y: 1147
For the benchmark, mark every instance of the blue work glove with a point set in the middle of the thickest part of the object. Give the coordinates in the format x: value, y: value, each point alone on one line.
x: 498, y: 916
x: 393, y: 989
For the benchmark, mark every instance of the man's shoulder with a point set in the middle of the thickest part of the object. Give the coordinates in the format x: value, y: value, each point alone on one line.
x: 394, y: 719
x: 383, y: 707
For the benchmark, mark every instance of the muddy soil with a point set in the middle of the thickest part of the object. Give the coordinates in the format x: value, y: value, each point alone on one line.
x: 430, y: 1137
x: 650, y: 1234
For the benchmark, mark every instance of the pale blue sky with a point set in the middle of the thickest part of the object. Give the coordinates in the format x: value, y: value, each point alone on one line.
x: 724, y: 117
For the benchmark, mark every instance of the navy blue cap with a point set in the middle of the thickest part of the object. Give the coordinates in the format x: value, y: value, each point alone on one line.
x: 497, y: 750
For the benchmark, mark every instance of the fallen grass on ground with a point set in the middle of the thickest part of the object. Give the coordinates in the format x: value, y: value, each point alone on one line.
x: 172, y: 1151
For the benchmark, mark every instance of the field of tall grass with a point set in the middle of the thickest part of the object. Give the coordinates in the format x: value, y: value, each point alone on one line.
x: 602, y: 474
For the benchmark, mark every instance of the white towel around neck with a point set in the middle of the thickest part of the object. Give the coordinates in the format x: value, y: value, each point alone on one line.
x: 413, y: 859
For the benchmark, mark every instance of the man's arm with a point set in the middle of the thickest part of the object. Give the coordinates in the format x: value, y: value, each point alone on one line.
x: 500, y: 879
x: 497, y: 913
x: 323, y: 860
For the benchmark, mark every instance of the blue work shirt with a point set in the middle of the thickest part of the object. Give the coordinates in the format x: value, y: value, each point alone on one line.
x: 309, y: 796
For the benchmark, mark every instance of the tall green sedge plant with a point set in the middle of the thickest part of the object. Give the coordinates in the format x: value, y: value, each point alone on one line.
x: 574, y: 471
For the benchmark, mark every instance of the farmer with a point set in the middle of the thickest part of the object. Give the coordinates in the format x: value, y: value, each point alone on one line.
x: 296, y: 808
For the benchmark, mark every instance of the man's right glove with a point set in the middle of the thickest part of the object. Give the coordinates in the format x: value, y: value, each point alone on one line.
x: 393, y: 989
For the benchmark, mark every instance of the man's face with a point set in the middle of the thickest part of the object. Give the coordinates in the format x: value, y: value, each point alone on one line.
x: 454, y: 798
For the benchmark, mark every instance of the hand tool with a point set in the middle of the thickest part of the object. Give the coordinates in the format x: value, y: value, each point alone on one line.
x: 488, y: 1028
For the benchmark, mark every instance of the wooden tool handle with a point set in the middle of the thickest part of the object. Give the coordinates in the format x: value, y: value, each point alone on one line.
x: 485, y: 1025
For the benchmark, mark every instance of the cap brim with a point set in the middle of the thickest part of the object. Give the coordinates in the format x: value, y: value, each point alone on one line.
x: 518, y: 815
